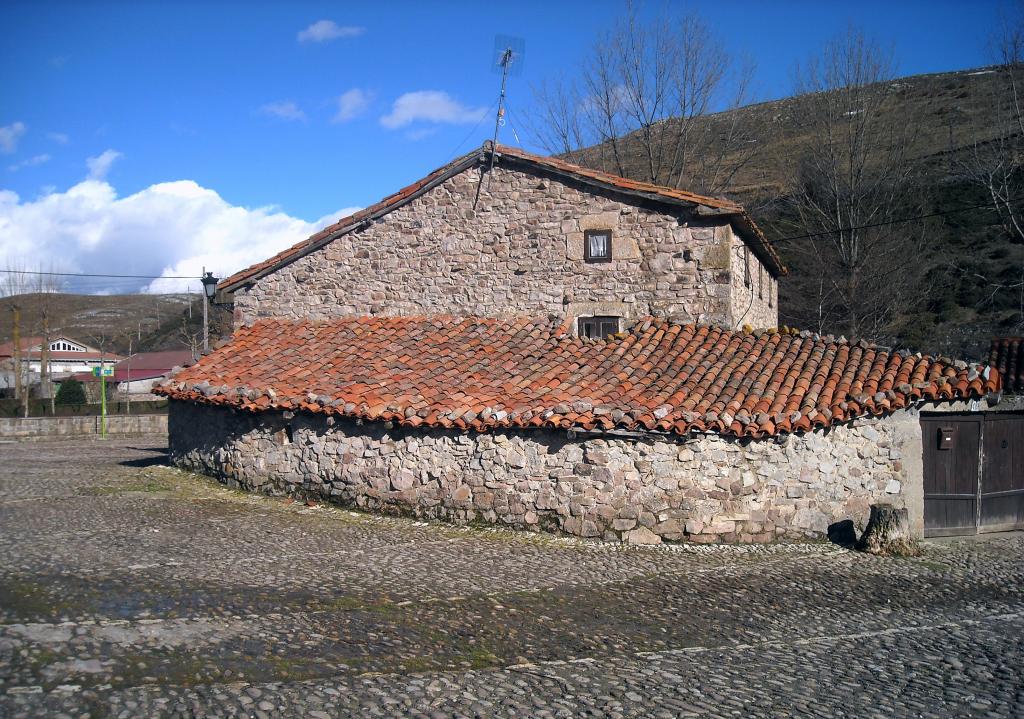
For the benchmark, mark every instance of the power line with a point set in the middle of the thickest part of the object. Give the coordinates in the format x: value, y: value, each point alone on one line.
x: 86, y: 274
x: 469, y: 134
x: 898, y: 221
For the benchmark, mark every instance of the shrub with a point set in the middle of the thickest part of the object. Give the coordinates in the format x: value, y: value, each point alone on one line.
x: 71, y: 392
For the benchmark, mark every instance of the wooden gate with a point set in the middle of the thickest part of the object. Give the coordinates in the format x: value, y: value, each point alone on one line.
x: 973, y: 473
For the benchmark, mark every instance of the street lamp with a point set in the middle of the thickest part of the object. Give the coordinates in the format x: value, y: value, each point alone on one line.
x: 209, y: 290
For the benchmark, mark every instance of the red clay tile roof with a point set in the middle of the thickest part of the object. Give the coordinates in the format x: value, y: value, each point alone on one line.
x: 1006, y: 354
x: 748, y: 229
x: 480, y: 373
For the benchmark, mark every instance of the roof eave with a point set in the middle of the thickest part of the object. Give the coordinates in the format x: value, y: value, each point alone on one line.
x: 751, y: 234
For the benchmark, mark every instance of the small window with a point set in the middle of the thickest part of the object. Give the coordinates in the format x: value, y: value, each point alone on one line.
x: 597, y: 245
x: 746, y: 267
x: 598, y: 327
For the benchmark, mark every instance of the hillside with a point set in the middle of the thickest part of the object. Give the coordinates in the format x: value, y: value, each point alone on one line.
x: 948, y: 112
x: 975, y: 270
x: 148, y: 322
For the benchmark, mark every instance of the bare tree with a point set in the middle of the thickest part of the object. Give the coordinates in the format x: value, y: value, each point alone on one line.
x: 557, y: 120
x: 37, y: 292
x: 996, y: 164
x: 191, y: 336
x: 15, y: 279
x: 858, y: 267
x: 641, y: 106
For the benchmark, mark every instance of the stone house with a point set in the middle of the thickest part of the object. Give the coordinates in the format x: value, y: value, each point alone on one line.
x: 548, y: 347
x: 531, y: 236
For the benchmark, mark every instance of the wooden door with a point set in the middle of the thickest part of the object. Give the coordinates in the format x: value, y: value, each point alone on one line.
x: 1002, y: 479
x: 951, y: 458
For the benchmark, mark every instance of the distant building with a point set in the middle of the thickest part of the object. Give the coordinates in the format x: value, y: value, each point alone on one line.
x: 66, y: 356
x: 136, y: 374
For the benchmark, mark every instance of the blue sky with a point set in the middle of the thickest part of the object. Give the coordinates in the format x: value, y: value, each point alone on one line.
x: 233, y: 98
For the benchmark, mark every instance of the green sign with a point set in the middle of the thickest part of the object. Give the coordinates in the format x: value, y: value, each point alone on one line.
x: 102, y: 371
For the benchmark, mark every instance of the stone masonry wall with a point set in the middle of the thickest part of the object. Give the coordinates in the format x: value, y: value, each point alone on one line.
x: 707, y: 489
x: 519, y: 250
x: 754, y: 290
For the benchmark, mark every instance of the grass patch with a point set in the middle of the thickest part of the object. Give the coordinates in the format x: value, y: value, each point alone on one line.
x: 147, y: 485
x: 24, y: 599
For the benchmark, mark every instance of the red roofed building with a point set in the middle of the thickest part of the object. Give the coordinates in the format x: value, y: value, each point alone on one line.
x: 518, y: 340
x: 137, y: 373
x: 65, y: 357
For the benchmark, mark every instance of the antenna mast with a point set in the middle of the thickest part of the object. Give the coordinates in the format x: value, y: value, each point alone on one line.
x: 505, y: 61
x: 508, y: 55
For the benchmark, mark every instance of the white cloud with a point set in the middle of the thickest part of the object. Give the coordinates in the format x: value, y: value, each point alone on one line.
x: 30, y: 162
x: 59, y: 137
x: 324, y: 30
x: 283, y: 110
x: 432, y: 106
x: 9, y: 136
x: 351, y: 104
x: 100, y: 165
x: 170, y: 229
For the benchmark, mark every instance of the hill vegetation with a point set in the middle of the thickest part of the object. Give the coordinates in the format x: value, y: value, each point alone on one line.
x: 973, y: 268
x: 142, y: 322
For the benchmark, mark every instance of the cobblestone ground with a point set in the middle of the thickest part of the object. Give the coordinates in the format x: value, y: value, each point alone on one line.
x: 128, y: 588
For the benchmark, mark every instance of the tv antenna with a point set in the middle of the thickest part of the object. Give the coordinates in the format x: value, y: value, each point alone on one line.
x: 508, y: 60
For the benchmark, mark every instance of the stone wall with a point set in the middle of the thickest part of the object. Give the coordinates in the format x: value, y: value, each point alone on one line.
x: 47, y: 427
x: 754, y: 290
x: 519, y: 250
x: 707, y: 489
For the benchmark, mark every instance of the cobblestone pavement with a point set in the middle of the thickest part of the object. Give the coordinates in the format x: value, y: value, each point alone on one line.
x: 128, y: 588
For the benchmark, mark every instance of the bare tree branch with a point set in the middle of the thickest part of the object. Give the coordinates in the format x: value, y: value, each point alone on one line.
x: 642, y: 106
x: 858, y: 280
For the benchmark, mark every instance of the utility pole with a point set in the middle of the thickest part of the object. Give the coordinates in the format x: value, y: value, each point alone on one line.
x: 206, y: 326
x: 103, y: 399
x: 128, y: 378
x: 45, y: 388
x: 17, y: 352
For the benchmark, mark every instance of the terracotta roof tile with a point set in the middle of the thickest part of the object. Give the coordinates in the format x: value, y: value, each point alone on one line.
x: 751, y: 231
x: 480, y: 373
x: 1006, y: 354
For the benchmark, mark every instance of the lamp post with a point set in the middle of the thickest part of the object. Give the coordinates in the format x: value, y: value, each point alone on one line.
x: 209, y: 290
